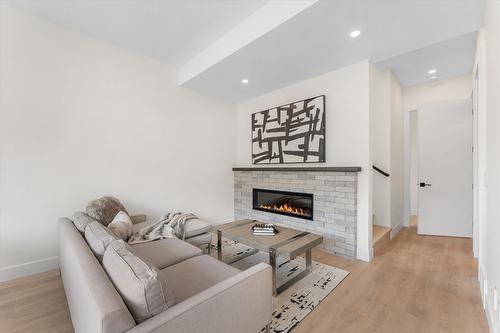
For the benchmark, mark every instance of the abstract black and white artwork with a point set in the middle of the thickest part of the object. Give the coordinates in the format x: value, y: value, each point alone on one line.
x: 292, y: 133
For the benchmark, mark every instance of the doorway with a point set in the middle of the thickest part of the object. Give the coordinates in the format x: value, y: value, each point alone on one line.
x: 440, y: 140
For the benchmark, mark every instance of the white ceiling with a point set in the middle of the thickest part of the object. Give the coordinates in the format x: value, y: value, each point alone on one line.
x: 317, y: 41
x: 173, y: 31
x: 407, y: 36
x: 449, y: 58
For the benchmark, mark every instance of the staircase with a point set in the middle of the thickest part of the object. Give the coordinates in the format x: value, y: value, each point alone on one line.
x: 381, y: 237
x: 381, y: 234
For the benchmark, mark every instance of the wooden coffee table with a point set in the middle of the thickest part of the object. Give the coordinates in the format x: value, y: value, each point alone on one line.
x: 288, y: 243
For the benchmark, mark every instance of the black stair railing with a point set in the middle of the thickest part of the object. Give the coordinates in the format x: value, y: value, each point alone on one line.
x: 382, y: 172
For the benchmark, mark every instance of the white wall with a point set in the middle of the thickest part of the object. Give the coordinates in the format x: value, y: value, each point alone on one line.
x: 386, y: 120
x: 380, y: 130
x: 347, y: 130
x: 80, y: 119
x: 396, y: 156
x: 488, y: 57
x: 413, y: 128
x: 442, y: 90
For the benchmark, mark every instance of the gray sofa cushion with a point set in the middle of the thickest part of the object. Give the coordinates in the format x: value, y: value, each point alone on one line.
x: 194, y: 275
x: 98, y: 238
x: 165, y: 252
x: 80, y: 220
x: 203, y: 239
x: 196, y: 227
x: 136, y: 281
x: 104, y: 209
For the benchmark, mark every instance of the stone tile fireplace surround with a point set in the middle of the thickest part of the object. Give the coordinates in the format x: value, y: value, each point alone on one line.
x: 334, y: 190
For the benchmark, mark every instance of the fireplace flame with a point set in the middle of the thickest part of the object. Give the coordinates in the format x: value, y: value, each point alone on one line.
x: 284, y: 208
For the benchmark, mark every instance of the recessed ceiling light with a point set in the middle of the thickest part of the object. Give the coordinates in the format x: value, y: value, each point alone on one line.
x: 432, y: 71
x: 432, y: 77
x: 355, y: 33
x: 244, y: 81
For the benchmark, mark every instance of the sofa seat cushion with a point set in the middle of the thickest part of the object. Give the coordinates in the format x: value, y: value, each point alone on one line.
x: 195, y: 227
x: 136, y: 281
x: 199, y: 240
x: 98, y: 238
x: 194, y: 275
x: 165, y: 252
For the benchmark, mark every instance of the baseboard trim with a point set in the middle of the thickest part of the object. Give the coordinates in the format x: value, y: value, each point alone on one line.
x: 490, y: 316
x: 29, y: 268
x: 414, y: 212
x: 395, y: 230
x: 365, y: 255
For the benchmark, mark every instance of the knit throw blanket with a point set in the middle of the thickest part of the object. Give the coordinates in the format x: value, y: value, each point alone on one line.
x: 171, y: 225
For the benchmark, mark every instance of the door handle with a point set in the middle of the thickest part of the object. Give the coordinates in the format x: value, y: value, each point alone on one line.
x: 422, y: 184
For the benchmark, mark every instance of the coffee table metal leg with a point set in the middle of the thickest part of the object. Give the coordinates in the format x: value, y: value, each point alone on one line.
x: 297, y: 277
x: 272, y: 262
x: 308, y: 261
x: 219, y: 245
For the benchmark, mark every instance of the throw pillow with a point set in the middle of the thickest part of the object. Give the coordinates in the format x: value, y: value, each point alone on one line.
x: 136, y: 281
x: 121, y: 226
x: 104, y: 209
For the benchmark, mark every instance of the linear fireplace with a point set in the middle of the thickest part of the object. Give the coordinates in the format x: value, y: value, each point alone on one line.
x: 286, y: 203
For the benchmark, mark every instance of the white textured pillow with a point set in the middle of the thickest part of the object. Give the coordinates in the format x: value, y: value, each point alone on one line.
x: 136, y: 281
x: 98, y: 238
x: 121, y: 226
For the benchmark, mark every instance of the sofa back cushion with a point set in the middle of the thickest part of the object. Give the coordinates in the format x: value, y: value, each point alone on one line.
x: 80, y: 220
x: 98, y: 238
x: 136, y: 281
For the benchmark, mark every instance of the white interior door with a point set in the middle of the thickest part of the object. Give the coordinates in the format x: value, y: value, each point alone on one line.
x: 445, y: 168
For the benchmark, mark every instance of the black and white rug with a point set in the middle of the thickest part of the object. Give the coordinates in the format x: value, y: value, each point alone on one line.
x: 296, y: 302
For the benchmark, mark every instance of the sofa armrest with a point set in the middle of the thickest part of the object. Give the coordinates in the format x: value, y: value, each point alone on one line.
x: 242, y: 303
x: 138, y: 218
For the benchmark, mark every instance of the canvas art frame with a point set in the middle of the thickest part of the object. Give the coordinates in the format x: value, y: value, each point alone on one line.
x: 290, y: 133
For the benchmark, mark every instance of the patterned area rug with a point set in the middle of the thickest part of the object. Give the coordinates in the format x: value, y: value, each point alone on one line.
x: 296, y: 302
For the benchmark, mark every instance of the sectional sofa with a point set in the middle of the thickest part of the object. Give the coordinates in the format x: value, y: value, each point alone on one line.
x: 162, y: 286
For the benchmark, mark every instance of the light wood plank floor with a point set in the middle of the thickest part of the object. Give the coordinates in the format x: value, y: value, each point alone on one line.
x: 415, y: 284
x: 413, y: 220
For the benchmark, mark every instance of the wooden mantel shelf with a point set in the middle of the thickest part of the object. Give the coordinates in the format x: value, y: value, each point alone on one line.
x: 295, y: 169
